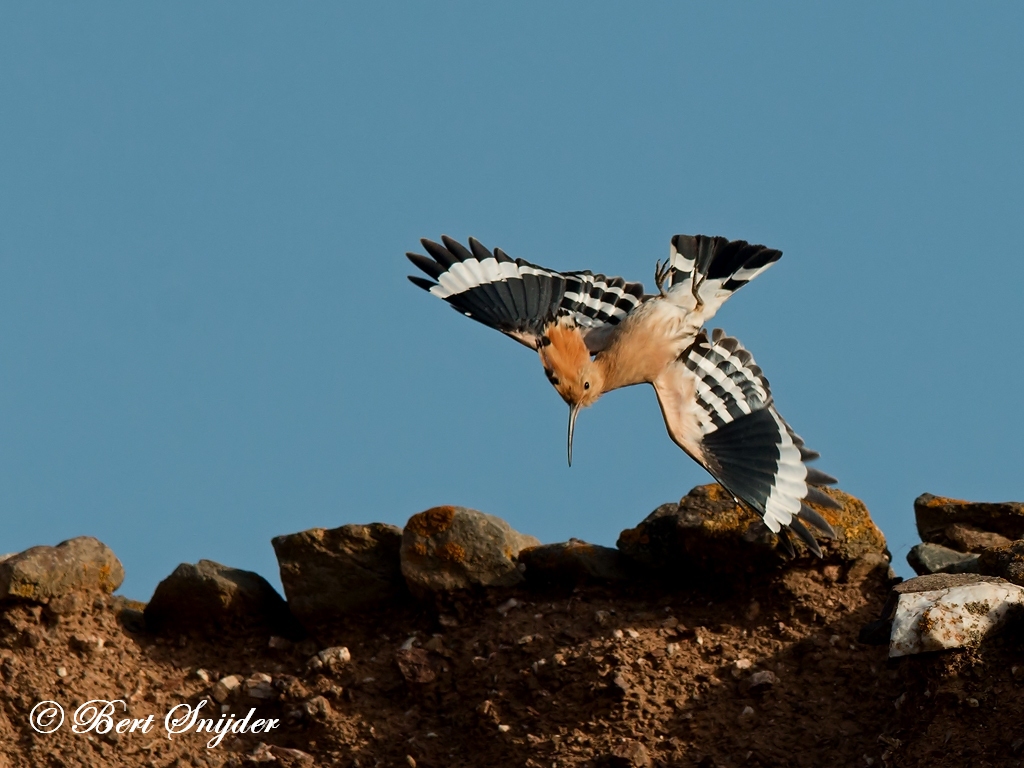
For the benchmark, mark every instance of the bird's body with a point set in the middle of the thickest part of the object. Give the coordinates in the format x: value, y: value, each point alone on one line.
x: 595, y: 334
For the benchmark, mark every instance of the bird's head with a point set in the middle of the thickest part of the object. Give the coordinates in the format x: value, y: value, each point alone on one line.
x: 570, y: 370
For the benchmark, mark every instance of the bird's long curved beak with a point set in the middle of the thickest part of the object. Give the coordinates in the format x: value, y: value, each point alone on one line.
x: 574, y: 411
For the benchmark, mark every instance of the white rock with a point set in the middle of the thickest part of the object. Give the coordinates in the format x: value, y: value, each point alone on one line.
x: 956, y: 617
x: 334, y: 658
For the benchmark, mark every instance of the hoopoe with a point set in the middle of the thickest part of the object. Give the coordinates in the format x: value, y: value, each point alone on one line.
x: 596, y: 333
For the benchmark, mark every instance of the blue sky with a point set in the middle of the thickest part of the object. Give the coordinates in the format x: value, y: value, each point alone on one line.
x: 206, y: 334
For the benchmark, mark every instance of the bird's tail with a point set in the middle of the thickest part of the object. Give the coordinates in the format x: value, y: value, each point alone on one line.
x: 705, y: 271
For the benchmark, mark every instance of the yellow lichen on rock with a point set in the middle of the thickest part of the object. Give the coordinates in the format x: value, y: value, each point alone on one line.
x: 432, y: 522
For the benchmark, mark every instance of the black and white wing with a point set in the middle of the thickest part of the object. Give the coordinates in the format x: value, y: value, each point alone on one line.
x: 519, y: 298
x: 713, y: 268
x: 718, y: 408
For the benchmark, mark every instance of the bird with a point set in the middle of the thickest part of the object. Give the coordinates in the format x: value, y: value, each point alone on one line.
x: 595, y: 334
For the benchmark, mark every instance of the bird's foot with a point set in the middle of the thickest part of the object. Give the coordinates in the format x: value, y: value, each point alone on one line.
x: 695, y: 285
x: 662, y: 270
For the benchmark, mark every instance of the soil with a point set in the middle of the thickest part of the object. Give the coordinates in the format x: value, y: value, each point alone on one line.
x: 764, y: 674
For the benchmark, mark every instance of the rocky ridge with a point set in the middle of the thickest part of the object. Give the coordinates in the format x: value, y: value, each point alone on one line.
x: 459, y: 641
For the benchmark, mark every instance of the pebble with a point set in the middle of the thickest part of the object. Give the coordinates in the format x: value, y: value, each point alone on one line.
x: 672, y: 649
x: 973, y: 703
x: 202, y: 674
x: 504, y: 728
x: 617, y: 634
x: 317, y: 708
x: 633, y: 633
x: 260, y: 686
x: 62, y: 672
x: 225, y: 687
x: 508, y: 605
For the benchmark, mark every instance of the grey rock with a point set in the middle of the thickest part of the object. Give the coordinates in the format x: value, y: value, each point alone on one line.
x: 709, y: 532
x: 330, y: 573
x: 935, y: 514
x: 451, y: 548
x: 208, y: 596
x: 934, y: 558
x: 573, y: 562
x: 40, y: 574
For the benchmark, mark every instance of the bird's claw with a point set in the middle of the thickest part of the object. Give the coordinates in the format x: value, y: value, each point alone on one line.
x: 662, y: 270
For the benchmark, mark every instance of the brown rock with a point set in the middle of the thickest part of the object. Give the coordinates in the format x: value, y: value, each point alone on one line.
x: 212, y: 597
x: 709, y: 531
x: 868, y: 564
x: 1006, y: 562
x: 451, y: 548
x: 967, y: 538
x: 415, y: 666
x: 573, y: 562
x: 43, y: 573
x: 936, y: 513
x: 330, y: 573
x: 629, y: 754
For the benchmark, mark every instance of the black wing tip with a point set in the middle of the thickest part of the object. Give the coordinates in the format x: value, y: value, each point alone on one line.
x: 808, y: 515
x: 817, y: 477
x: 806, y: 536
x: 421, y: 282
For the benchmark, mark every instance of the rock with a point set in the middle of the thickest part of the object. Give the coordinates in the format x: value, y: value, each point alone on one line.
x: 451, y: 548
x: 967, y: 538
x: 865, y: 565
x: 935, y: 558
x: 42, y: 573
x: 955, y: 617
x: 573, y: 562
x: 415, y: 665
x: 334, y: 658
x: 1006, y: 562
x: 330, y: 573
x: 291, y: 756
x: 760, y: 681
x: 932, y: 582
x: 212, y: 597
x: 708, y: 531
x: 87, y: 644
x: 629, y: 754
x: 260, y: 686
x: 935, y: 514
x: 317, y: 708
x: 225, y: 688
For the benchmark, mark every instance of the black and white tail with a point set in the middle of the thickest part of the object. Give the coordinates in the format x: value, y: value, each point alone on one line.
x: 747, y: 446
x: 713, y: 268
x: 516, y: 297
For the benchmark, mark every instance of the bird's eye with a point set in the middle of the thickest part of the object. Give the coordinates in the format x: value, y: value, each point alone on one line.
x: 586, y: 385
